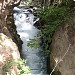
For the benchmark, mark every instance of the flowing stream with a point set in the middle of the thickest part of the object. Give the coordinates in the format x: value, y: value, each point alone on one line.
x: 24, y: 21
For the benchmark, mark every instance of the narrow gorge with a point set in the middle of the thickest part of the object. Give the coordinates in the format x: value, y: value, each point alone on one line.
x: 24, y: 21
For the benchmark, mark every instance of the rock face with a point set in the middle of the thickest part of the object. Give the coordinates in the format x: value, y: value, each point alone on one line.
x: 7, y: 25
x: 8, y: 51
x: 63, y: 40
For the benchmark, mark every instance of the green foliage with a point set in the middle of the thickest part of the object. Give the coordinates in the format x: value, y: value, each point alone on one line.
x: 34, y: 43
x: 51, y: 18
x: 67, y: 1
x: 22, y: 68
x: 8, y: 65
x: 53, y: 15
x: 20, y: 64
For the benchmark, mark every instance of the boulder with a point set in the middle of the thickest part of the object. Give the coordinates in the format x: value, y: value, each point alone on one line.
x: 10, y: 42
x: 8, y: 51
x: 63, y: 47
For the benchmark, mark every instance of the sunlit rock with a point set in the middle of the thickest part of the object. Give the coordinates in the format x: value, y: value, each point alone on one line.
x: 8, y: 51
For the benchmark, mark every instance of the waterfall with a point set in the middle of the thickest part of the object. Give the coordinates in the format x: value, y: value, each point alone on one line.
x: 24, y: 21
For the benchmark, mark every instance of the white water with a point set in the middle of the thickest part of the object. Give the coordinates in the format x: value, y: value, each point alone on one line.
x: 24, y: 22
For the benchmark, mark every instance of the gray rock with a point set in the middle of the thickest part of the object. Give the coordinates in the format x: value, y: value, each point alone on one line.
x: 61, y: 41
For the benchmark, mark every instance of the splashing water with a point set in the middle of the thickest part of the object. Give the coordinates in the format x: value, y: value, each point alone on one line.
x: 24, y: 21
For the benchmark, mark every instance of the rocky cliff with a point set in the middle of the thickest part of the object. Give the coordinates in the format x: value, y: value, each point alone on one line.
x: 10, y: 42
x: 7, y: 25
x: 8, y: 53
x: 63, y: 47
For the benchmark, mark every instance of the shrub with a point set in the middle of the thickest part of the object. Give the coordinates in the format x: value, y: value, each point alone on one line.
x: 22, y: 69
x: 50, y: 18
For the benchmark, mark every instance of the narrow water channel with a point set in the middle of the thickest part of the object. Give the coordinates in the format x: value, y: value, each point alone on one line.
x: 24, y: 21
